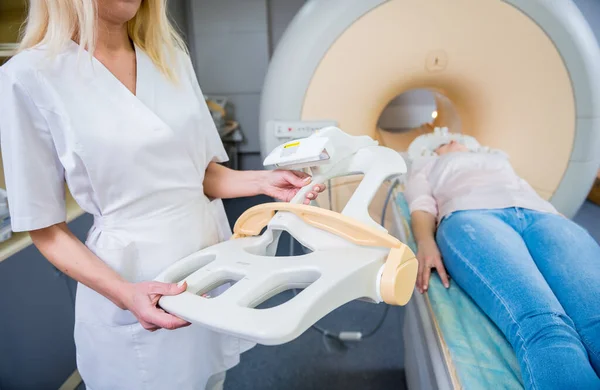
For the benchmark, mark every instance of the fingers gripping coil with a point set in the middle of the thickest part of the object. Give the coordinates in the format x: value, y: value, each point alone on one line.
x: 400, y: 270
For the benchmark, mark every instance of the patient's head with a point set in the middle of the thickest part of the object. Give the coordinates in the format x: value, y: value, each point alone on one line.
x: 451, y: 147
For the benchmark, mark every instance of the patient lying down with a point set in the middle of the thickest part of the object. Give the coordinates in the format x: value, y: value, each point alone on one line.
x: 535, y: 273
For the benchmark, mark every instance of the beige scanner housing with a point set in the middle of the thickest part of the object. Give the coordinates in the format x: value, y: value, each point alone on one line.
x: 518, y: 75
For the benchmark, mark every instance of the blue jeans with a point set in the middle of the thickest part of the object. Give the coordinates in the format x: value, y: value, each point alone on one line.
x: 537, y: 276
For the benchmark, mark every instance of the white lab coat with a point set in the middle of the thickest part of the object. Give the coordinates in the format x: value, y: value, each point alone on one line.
x: 137, y: 163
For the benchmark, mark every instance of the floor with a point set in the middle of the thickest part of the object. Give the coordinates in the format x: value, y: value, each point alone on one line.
x: 313, y: 362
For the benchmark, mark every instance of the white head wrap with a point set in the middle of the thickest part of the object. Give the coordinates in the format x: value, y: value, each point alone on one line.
x: 426, y: 144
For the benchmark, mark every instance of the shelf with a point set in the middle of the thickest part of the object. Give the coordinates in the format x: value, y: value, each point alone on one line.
x: 72, y: 382
x: 594, y: 195
x: 13, y: 14
x: 22, y: 240
x: 7, y: 49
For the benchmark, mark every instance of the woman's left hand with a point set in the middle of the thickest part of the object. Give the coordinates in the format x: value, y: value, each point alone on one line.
x: 284, y: 185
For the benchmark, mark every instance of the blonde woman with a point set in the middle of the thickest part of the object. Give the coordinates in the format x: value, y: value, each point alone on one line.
x: 103, y: 95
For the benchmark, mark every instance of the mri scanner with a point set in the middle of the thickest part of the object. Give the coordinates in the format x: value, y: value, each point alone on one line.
x: 521, y: 76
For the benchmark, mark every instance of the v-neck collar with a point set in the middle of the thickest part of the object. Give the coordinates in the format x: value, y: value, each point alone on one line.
x: 145, y: 78
x: 140, y: 107
x: 144, y: 83
x: 97, y: 63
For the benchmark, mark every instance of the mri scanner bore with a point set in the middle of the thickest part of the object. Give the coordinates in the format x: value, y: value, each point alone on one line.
x: 521, y: 78
x: 531, y: 89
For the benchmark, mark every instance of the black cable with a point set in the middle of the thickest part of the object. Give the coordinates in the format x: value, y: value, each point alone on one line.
x: 379, y: 325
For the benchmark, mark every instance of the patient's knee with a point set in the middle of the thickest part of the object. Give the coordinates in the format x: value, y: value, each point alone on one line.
x: 548, y: 328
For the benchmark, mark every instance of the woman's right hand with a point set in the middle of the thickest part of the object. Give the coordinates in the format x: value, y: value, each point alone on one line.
x: 429, y: 257
x: 142, y: 300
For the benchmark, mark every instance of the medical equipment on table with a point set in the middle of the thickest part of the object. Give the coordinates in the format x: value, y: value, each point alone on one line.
x: 594, y: 195
x: 229, y: 130
x: 352, y: 257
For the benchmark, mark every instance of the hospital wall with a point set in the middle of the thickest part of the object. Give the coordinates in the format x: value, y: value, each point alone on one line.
x: 232, y: 41
x: 178, y: 12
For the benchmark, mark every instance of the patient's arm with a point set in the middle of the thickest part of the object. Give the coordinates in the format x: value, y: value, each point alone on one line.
x: 424, y: 210
x: 428, y: 254
x: 423, y: 224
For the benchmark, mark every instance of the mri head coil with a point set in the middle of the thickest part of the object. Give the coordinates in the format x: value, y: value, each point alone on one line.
x: 424, y: 145
x: 351, y: 257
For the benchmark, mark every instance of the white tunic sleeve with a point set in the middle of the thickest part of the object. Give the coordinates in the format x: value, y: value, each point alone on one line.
x: 213, y: 146
x: 418, y: 193
x: 33, y: 173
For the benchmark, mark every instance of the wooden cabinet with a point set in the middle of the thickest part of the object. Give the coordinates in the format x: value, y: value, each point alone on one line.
x: 595, y: 192
x: 12, y: 16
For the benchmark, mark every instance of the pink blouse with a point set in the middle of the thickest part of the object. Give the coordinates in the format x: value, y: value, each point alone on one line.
x: 467, y: 181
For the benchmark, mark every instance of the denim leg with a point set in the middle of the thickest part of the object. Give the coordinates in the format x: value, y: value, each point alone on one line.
x: 569, y: 259
x: 488, y: 259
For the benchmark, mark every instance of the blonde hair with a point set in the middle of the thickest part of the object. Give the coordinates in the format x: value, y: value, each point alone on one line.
x: 56, y: 22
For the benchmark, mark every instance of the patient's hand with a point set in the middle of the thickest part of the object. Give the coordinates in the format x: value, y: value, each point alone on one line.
x: 429, y: 258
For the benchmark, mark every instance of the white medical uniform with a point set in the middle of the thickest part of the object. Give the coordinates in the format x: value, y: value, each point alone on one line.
x: 137, y: 163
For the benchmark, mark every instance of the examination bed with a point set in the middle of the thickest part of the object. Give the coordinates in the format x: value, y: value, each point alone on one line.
x: 449, y: 342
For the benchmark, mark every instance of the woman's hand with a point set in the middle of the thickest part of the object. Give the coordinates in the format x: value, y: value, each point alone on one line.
x: 142, y: 299
x: 67, y: 253
x: 429, y: 257
x: 224, y: 183
x: 283, y: 185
